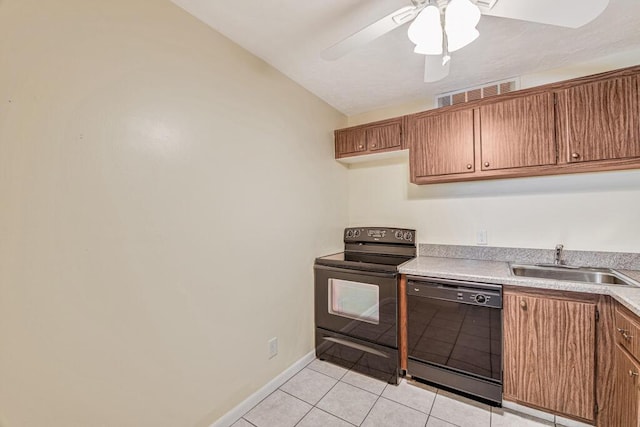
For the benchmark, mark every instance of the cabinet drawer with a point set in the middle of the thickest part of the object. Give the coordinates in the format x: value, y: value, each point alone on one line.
x: 627, y: 332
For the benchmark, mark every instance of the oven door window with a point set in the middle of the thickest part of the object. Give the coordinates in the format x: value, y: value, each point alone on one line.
x: 354, y: 300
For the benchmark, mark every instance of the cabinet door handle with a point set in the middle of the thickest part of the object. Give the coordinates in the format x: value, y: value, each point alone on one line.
x: 633, y: 374
x: 360, y: 146
x: 523, y: 304
x: 373, y: 145
x: 624, y: 334
x: 486, y: 164
x: 469, y: 166
x: 575, y: 156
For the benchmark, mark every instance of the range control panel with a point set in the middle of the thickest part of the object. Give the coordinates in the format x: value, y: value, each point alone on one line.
x: 379, y: 234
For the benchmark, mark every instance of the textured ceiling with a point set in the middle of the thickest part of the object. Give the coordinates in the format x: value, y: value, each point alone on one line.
x: 291, y: 34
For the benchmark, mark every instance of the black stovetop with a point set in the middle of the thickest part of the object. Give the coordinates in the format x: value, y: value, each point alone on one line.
x: 364, y: 262
x: 379, y: 249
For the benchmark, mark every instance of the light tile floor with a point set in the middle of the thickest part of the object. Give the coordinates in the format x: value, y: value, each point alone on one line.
x: 326, y: 395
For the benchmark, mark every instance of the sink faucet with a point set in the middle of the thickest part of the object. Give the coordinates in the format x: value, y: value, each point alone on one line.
x: 558, y: 258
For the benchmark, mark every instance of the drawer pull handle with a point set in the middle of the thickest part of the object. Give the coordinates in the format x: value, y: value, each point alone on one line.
x: 523, y: 304
x: 633, y: 374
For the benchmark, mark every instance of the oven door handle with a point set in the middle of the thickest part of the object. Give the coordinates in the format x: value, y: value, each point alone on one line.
x: 356, y: 346
x: 351, y: 270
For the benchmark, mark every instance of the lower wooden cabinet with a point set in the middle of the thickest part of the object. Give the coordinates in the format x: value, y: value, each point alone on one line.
x: 626, y: 395
x: 550, y: 353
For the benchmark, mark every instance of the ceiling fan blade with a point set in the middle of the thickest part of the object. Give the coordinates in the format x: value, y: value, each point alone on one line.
x: 565, y: 13
x: 434, y: 69
x: 372, y: 32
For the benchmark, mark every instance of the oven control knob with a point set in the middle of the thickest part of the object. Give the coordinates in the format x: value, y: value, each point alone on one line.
x: 481, y: 299
x: 349, y: 233
x: 399, y: 235
x: 356, y: 233
x: 408, y: 235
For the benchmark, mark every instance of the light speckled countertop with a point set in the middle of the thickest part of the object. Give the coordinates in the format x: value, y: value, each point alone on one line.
x: 499, y: 272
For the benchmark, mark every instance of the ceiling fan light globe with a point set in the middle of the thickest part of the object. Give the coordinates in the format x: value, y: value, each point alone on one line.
x: 426, y: 29
x: 461, y: 18
x: 459, y: 39
x: 462, y: 13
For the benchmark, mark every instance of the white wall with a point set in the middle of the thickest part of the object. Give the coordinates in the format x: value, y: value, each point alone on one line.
x: 598, y: 211
x: 163, y: 194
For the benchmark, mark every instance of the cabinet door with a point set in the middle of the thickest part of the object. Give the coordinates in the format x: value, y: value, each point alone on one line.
x: 517, y: 133
x: 600, y: 121
x: 384, y: 137
x: 349, y: 141
x: 626, y: 395
x: 549, y: 353
x: 442, y: 144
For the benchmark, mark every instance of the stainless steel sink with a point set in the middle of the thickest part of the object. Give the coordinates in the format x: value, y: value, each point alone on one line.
x: 601, y: 276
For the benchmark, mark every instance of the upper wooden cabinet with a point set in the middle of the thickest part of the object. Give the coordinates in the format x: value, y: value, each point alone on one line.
x: 479, y: 143
x: 518, y: 132
x: 441, y: 144
x: 587, y: 124
x: 550, y: 353
x: 600, y: 120
x: 350, y: 142
x: 380, y: 136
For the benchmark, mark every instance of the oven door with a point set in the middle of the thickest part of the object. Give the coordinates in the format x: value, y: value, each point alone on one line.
x: 357, y: 303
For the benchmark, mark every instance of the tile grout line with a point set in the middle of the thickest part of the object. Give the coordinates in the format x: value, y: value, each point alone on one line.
x: 360, y: 388
x: 312, y: 405
x: 406, y: 406
x: 444, y: 421
x: 314, y: 370
x: 370, y: 409
x: 243, y: 418
x: 336, y: 416
x: 434, y: 401
x: 363, y: 389
x: 315, y: 405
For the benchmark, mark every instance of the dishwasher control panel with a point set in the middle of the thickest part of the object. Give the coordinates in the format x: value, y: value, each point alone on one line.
x: 457, y: 291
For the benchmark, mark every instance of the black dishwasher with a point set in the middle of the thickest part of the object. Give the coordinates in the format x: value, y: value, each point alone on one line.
x: 455, y: 335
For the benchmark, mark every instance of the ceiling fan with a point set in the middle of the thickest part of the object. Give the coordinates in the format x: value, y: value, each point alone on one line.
x: 443, y: 26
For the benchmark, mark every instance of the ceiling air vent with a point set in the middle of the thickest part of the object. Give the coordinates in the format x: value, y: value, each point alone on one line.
x: 485, y: 4
x: 477, y: 92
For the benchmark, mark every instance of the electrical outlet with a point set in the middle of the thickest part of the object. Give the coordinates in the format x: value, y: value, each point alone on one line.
x: 273, y: 347
x: 481, y: 238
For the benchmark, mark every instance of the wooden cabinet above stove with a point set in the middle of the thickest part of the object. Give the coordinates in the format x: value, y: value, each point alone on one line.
x: 371, y: 138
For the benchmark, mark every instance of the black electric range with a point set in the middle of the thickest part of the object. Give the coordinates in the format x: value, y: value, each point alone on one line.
x: 356, y: 302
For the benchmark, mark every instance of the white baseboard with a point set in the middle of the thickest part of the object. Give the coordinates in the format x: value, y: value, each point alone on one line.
x: 243, y: 407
